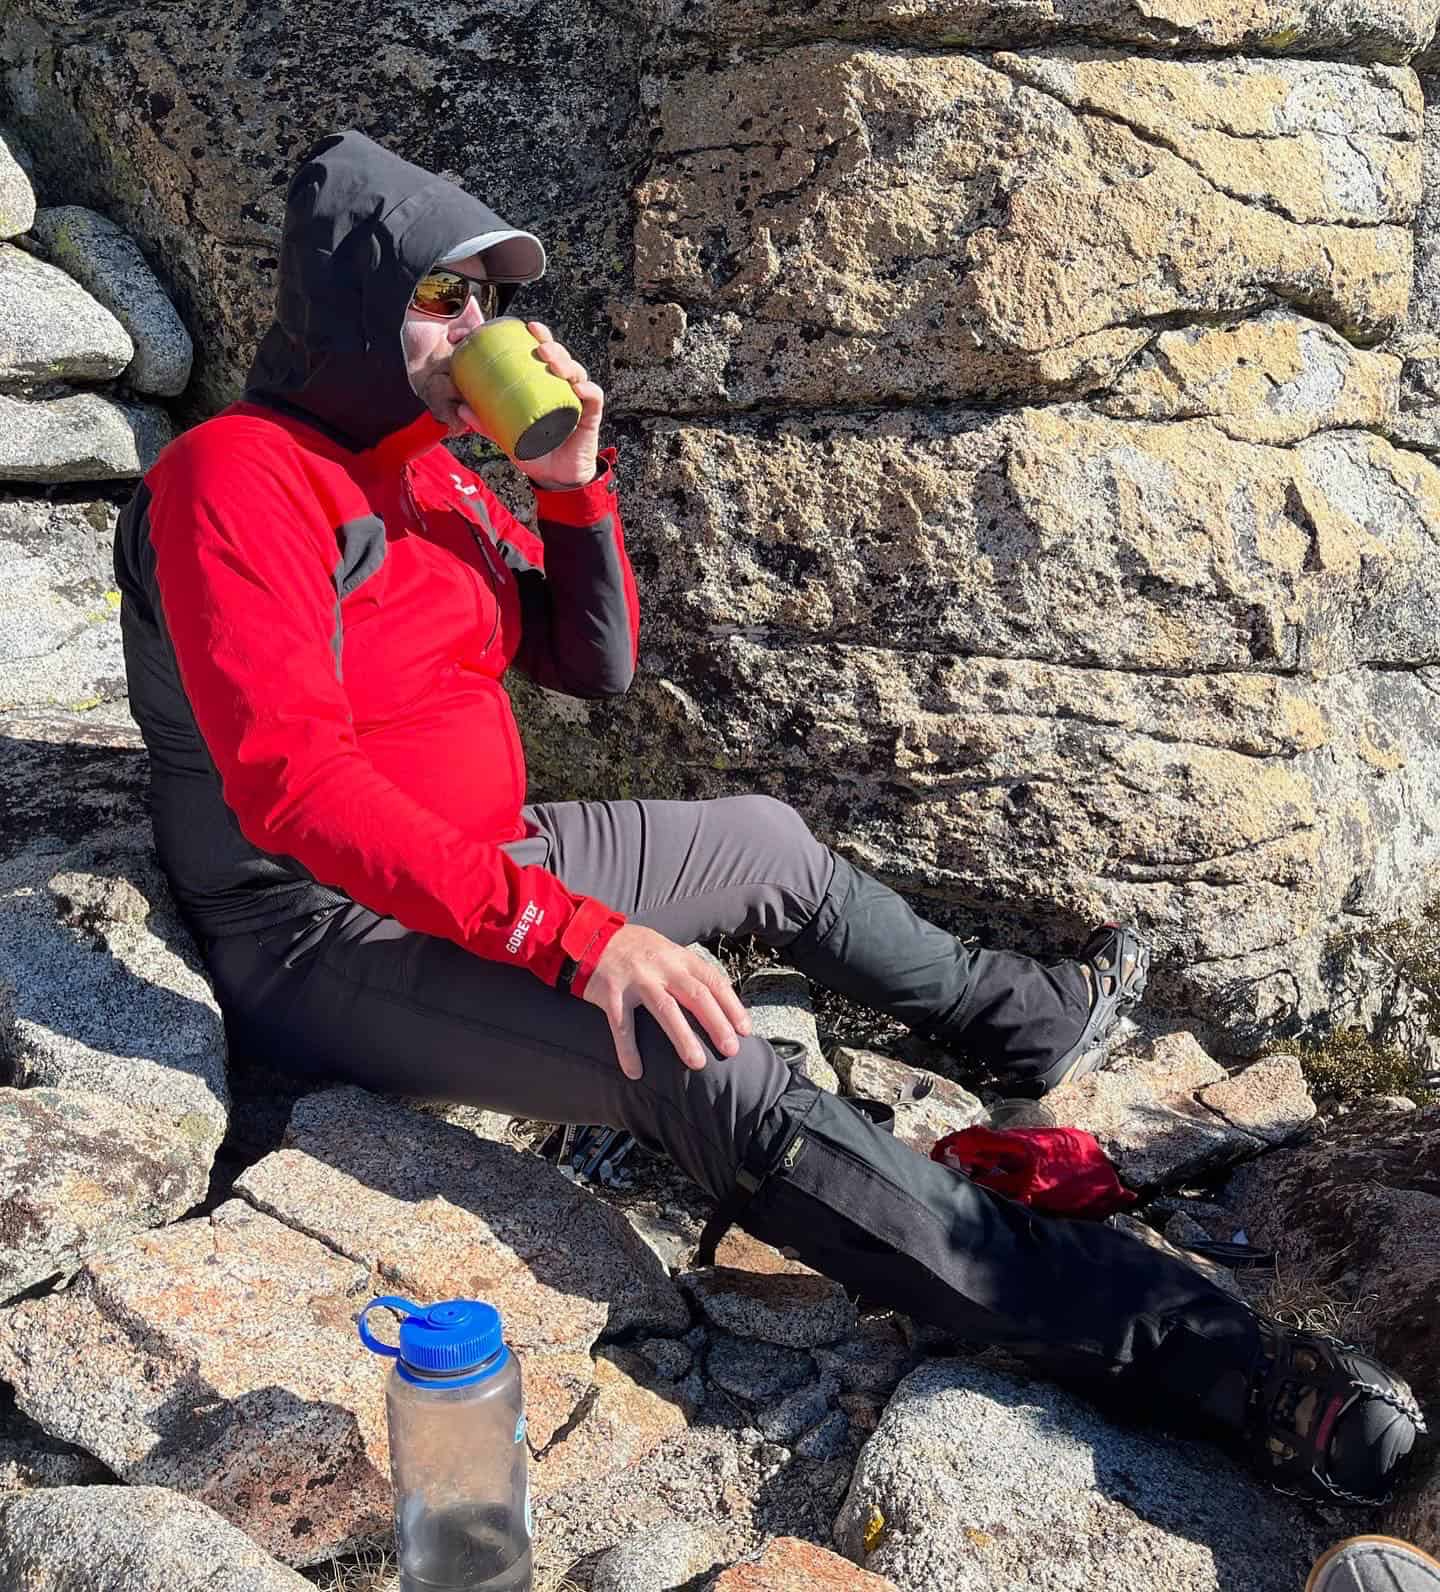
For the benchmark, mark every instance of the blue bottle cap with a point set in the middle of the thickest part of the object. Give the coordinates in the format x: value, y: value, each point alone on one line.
x: 445, y: 1340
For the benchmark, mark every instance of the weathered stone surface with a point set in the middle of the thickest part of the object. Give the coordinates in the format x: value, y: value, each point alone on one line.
x: 81, y: 437
x: 797, y: 1311
x: 1358, y: 1208
x: 78, y: 1172
x: 789, y: 1565
x: 144, y: 1539
x: 445, y: 1214
x: 778, y: 1001
x: 123, y: 120
x: 65, y: 777
x: 1390, y: 31
x: 218, y: 1357
x: 789, y: 1418
x: 927, y: 1106
x: 107, y: 262
x: 51, y: 329
x: 872, y: 1360
x: 1269, y: 1098
x: 976, y: 1479
x: 1145, y: 1114
x: 793, y: 244
x: 665, y: 1556
x: 757, y: 1373
x: 17, y: 197
x: 106, y: 989
x: 59, y: 612
x: 1274, y: 379
x: 624, y: 1422
x: 1415, y: 1515
x: 29, y: 1458
x: 1101, y: 668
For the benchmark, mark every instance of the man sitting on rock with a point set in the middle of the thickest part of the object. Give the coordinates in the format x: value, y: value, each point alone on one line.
x: 320, y: 605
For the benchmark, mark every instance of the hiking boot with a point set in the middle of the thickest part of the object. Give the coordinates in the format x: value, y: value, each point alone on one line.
x: 1327, y: 1420
x: 1374, y: 1564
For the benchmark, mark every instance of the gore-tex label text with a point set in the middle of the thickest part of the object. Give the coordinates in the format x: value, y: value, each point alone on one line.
x: 528, y: 919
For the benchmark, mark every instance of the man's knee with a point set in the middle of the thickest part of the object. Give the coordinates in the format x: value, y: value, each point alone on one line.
x: 705, y: 1119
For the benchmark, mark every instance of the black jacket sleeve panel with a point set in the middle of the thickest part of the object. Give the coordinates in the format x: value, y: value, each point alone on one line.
x: 580, y: 626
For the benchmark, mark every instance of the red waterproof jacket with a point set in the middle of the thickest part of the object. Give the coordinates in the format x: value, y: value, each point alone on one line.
x: 316, y: 626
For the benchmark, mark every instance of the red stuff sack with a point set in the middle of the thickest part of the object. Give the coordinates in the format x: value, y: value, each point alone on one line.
x: 1060, y: 1170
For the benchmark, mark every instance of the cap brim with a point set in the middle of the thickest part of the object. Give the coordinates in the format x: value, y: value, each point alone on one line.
x: 510, y: 256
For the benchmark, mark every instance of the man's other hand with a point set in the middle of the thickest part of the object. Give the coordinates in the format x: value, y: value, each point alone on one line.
x: 642, y: 968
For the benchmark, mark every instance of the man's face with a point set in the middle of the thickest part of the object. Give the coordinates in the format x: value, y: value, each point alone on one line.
x: 429, y: 342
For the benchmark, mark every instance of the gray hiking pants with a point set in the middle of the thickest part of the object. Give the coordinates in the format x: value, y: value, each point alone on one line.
x: 356, y: 996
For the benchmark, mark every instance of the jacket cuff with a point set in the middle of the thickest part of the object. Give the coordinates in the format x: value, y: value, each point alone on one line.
x: 580, y: 506
x: 584, y: 939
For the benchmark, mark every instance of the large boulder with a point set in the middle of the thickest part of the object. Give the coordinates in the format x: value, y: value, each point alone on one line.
x: 144, y: 1539
x: 977, y: 1478
x: 1356, y: 1213
x: 1154, y: 638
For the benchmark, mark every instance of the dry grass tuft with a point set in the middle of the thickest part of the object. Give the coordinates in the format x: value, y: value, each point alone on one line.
x: 376, y: 1569
x: 1297, y: 1296
x: 373, y: 1569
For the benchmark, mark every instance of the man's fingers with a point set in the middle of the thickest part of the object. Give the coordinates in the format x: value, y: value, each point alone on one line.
x: 668, y: 1012
x: 540, y: 332
x: 727, y: 999
x: 622, y: 1028
x: 702, y: 1004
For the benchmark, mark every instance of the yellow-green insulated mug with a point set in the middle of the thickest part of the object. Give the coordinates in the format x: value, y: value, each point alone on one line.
x: 519, y: 401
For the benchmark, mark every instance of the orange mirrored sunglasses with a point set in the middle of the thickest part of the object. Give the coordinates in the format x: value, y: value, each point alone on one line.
x: 446, y: 293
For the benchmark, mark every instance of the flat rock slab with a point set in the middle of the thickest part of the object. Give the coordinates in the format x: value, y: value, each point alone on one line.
x: 756, y: 1292
x: 60, y: 641
x: 790, y: 1565
x: 444, y: 1213
x: 798, y: 1310
x: 105, y: 992
x: 976, y: 1479
x: 778, y: 1000
x: 79, y: 1172
x: 1270, y: 1099
x: 84, y: 436
x: 1358, y: 1209
x: 624, y: 1420
x: 144, y: 1539
x: 106, y: 261
x: 1146, y: 1116
x: 51, y: 329
x: 927, y: 1107
x: 218, y: 1357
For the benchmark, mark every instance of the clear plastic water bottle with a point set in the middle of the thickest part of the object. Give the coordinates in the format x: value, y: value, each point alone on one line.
x: 457, y: 1448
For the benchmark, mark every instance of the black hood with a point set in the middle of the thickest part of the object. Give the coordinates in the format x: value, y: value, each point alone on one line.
x: 361, y: 228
